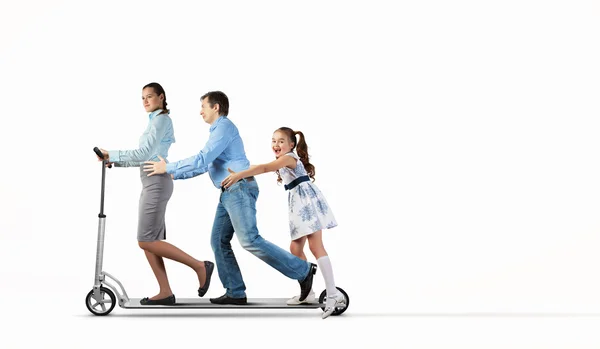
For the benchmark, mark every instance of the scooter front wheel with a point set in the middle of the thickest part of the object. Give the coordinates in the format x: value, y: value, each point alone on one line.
x: 102, y: 307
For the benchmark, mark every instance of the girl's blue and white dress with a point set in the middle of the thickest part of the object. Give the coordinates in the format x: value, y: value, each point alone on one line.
x: 308, y: 209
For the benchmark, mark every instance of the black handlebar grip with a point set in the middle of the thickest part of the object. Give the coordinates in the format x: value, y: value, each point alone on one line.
x: 98, y: 152
x: 100, y: 155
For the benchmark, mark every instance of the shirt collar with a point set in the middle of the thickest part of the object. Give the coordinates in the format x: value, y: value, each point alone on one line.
x: 214, y: 124
x: 154, y: 113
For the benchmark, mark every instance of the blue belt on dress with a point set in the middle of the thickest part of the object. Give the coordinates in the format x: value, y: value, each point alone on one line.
x: 296, y: 181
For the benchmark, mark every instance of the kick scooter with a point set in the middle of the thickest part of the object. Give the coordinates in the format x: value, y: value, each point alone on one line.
x: 103, y: 297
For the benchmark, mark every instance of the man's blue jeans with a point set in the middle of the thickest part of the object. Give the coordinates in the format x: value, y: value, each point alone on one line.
x: 236, y: 212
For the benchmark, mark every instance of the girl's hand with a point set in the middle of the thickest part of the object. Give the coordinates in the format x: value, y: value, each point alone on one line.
x: 231, y: 179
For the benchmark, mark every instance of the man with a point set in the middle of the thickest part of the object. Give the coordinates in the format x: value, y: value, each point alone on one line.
x: 236, y: 211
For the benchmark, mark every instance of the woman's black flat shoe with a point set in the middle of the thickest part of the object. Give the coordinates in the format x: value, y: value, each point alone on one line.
x: 164, y: 301
x: 210, y: 266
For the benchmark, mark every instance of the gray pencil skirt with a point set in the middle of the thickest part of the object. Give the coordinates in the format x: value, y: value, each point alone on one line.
x: 156, y: 192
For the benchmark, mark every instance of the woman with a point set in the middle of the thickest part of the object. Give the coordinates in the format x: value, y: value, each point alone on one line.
x: 156, y: 191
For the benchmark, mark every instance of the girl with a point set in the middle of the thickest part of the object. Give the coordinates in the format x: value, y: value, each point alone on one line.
x: 156, y: 192
x: 308, y: 210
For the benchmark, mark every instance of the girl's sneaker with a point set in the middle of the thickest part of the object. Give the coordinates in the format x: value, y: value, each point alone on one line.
x: 332, y: 303
x: 296, y: 299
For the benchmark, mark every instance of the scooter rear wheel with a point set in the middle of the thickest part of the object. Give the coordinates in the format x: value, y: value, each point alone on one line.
x: 338, y: 310
x: 104, y: 306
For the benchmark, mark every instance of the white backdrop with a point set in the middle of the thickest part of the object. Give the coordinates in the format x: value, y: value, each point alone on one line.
x: 456, y: 143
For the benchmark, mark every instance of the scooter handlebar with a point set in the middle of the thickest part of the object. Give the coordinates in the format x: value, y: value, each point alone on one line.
x: 100, y: 155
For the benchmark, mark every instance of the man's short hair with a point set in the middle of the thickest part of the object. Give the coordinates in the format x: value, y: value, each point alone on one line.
x: 218, y: 97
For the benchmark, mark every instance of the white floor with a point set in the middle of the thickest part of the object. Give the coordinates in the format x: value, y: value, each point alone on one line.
x: 295, y: 329
x: 58, y: 319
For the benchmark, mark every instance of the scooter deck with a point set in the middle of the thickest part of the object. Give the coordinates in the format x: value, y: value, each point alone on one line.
x: 253, y: 303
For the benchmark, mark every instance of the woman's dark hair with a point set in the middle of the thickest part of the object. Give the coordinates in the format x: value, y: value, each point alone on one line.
x: 159, y: 90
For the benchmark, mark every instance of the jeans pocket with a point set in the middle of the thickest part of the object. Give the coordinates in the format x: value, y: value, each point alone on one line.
x: 253, y: 192
x: 235, y: 188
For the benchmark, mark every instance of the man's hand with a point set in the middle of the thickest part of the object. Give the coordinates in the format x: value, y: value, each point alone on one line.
x: 155, y: 167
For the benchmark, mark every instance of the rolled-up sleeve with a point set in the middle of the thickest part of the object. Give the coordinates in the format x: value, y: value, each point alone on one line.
x: 128, y: 164
x: 195, y: 165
